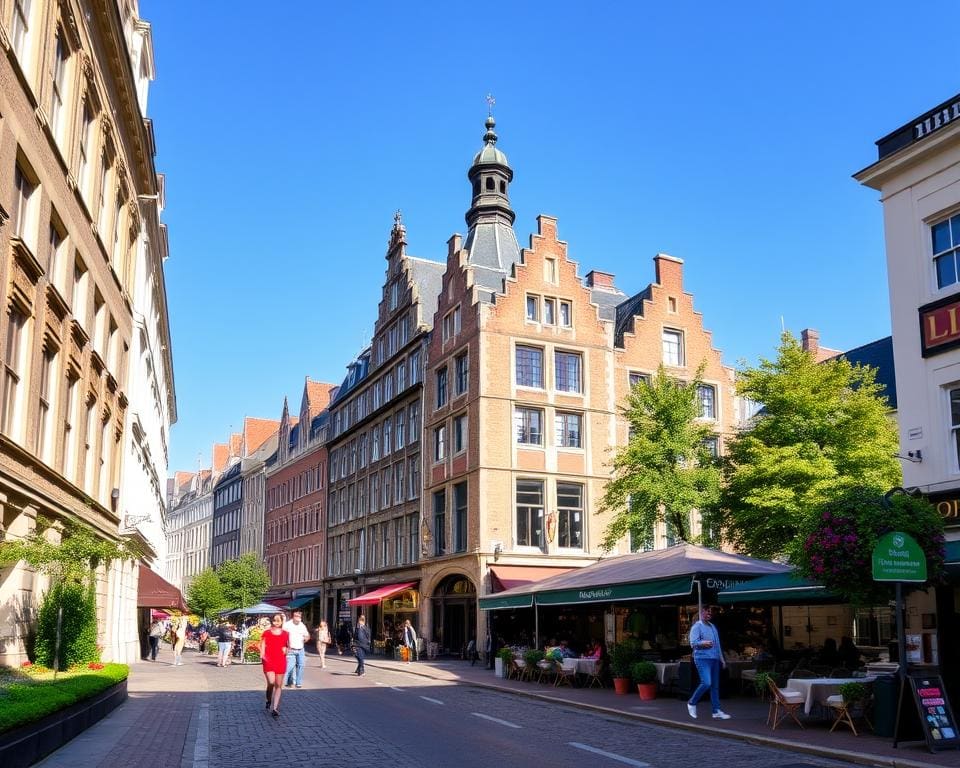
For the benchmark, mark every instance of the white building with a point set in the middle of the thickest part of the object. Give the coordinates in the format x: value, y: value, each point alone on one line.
x: 189, y: 530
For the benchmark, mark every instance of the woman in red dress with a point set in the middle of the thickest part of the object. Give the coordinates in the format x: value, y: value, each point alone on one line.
x: 273, y: 653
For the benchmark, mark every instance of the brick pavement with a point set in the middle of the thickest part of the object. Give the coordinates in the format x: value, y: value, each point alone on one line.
x: 198, y: 716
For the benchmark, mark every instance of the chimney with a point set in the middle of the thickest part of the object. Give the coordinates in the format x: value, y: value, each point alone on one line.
x: 598, y: 279
x: 810, y: 340
x: 669, y: 271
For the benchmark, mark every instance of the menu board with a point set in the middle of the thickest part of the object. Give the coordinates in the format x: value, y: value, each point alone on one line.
x: 936, y: 716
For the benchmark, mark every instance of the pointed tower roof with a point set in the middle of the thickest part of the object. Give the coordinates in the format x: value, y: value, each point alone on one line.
x: 491, y: 242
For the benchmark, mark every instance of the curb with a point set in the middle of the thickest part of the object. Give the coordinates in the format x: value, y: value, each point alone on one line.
x: 860, y: 758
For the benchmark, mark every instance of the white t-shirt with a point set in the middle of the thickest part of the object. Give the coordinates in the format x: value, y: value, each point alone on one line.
x: 299, y: 634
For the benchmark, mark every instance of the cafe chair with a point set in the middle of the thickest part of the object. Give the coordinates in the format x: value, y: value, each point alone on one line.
x: 547, y: 671
x: 566, y: 673
x: 596, y: 678
x: 844, y: 711
x: 783, y: 704
x: 518, y: 670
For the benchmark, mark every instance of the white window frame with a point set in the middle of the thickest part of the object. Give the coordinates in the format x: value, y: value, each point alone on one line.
x: 675, y: 339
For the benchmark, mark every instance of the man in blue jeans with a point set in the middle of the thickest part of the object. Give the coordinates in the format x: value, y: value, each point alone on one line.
x: 296, y: 657
x: 708, y: 658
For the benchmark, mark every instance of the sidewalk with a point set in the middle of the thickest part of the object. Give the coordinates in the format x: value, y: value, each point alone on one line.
x: 748, y: 722
x: 157, y: 728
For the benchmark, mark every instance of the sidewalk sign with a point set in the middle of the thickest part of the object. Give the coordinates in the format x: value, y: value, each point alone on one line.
x: 937, y: 722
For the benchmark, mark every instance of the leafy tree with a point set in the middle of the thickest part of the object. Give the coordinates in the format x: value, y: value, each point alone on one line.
x: 665, y: 470
x: 205, y: 593
x: 245, y: 580
x: 824, y: 428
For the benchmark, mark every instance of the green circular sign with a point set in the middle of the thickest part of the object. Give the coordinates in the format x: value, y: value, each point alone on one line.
x: 898, y: 557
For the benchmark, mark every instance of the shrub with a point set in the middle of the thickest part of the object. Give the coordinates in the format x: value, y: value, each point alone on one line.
x: 505, y: 654
x: 622, y: 655
x: 853, y: 692
x: 78, y: 626
x: 28, y: 702
x: 643, y: 672
x: 533, y: 657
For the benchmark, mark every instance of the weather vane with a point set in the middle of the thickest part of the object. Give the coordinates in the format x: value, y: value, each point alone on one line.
x: 490, y: 102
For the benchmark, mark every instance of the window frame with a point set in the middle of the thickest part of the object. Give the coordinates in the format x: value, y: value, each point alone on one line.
x: 566, y: 514
x: 530, y: 513
x: 562, y: 431
x: 536, y: 354
x: 557, y: 378
x: 681, y: 352
x: 523, y: 427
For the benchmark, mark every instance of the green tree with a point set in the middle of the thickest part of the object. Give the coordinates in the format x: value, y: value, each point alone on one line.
x: 665, y: 471
x: 205, y: 593
x: 824, y: 428
x: 245, y: 580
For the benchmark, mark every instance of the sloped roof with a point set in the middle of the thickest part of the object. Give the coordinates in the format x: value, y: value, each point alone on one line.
x: 256, y: 431
x: 428, y: 277
x: 318, y: 393
x: 877, y: 354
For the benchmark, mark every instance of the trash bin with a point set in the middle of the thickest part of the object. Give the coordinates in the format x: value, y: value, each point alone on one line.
x: 885, y: 690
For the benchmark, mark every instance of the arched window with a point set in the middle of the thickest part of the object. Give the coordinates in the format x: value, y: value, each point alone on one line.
x: 503, y: 187
x: 491, y: 184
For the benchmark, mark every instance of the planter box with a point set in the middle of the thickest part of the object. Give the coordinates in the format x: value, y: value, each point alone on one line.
x: 29, y: 743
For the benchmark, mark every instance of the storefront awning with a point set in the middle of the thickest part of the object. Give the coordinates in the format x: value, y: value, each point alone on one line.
x: 665, y: 573
x: 299, y: 602
x: 510, y: 576
x: 780, y: 588
x: 153, y: 591
x: 951, y: 561
x: 381, y: 593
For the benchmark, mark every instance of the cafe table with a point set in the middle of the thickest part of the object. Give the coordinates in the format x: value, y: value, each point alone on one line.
x: 815, y: 690
x: 587, y: 666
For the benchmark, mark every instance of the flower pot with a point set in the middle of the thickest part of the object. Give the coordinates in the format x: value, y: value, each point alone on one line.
x: 647, y: 691
x: 621, y: 685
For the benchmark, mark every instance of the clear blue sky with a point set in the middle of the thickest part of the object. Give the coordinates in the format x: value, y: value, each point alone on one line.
x: 724, y: 134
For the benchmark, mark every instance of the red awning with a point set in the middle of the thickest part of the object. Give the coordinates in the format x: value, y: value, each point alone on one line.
x: 154, y: 591
x: 510, y: 576
x: 374, y: 597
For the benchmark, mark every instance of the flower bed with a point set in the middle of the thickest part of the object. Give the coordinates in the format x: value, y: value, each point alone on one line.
x: 31, y: 693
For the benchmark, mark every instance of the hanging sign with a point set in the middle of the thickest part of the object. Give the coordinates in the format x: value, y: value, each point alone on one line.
x: 898, y: 557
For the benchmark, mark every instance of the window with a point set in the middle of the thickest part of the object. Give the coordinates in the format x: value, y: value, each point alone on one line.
x: 672, y: 347
x: 81, y: 293
x: 945, y: 237
x: 442, y: 387
x: 566, y: 315
x: 570, y: 513
x: 394, y: 295
x: 413, y: 532
x: 71, y: 413
x: 529, y: 425
x: 439, y: 522
x: 387, y: 488
x: 24, y: 204
x: 462, y: 366
x: 567, y: 371
x: 712, y: 445
x: 57, y: 91
x: 55, y: 256
x: 414, y: 422
x: 440, y: 443
x: 401, y: 377
x: 569, y: 427
x: 48, y: 399
x: 460, y: 517
x: 707, y: 395
x: 550, y: 311
x: 638, y: 378
x: 86, y: 149
x: 533, y: 308
x: 460, y: 433
x: 529, y: 513
x: 456, y: 320
x: 399, y: 424
x: 14, y: 367
x: 529, y: 367
x: 375, y: 444
x: 387, y: 437
x: 415, y: 367
x: 21, y: 30
x: 550, y: 270
x: 104, y: 195
x: 451, y: 323
x: 413, y: 466
x: 955, y: 426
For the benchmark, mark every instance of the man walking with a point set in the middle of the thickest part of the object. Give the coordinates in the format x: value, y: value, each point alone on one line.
x: 410, y: 641
x: 361, y: 643
x: 296, y: 656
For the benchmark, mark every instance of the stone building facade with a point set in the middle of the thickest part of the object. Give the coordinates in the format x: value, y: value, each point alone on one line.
x: 79, y: 233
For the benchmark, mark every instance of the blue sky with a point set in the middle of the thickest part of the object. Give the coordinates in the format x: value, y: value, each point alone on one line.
x: 723, y: 134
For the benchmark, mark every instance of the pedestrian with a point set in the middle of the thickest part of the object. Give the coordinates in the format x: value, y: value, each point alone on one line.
x: 180, y: 637
x: 708, y: 658
x: 156, y: 633
x: 273, y: 655
x: 224, y: 634
x: 323, y: 640
x: 361, y: 643
x: 410, y: 641
x: 296, y: 656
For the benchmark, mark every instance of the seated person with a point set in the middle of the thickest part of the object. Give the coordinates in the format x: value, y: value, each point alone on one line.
x: 829, y: 654
x: 848, y: 654
x: 565, y: 652
x: 594, y: 651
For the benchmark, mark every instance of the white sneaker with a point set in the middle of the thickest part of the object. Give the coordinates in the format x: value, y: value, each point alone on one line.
x: 720, y: 715
x: 692, y: 709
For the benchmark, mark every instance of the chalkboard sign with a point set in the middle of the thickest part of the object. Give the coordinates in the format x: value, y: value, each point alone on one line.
x: 936, y: 716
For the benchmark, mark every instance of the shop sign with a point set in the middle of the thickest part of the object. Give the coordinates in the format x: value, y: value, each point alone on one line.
x: 898, y: 557
x: 940, y: 326
x: 948, y: 507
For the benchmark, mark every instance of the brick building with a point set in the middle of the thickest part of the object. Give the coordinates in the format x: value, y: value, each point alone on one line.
x: 294, y: 516
x: 527, y: 368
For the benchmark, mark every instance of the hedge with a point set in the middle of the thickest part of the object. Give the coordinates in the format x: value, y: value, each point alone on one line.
x: 22, y: 703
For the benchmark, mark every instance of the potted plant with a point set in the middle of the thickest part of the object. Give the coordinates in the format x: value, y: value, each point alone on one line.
x: 502, y: 661
x: 853, y: 693
x: 622, y: 655
x: 644, y: 674
x: 533, y: 657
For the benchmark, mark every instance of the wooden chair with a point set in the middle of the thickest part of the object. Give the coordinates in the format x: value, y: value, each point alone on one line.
x: 566, y: 673
x: 844, y: 712
x: 547, y: 671
x: 784, y: 703
x: 518, y: 670
x: 597, y: 677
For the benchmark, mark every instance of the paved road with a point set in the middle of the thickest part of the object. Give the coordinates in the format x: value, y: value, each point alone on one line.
x: 199, y: 716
